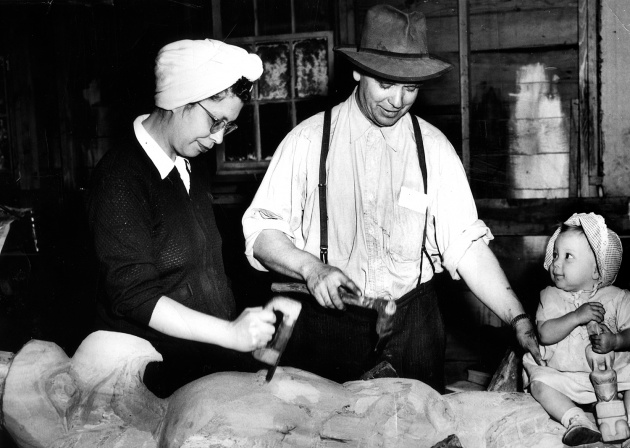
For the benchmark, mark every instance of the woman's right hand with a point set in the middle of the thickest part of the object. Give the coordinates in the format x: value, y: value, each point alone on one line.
x: 590, y: 311
x: 252, y: 329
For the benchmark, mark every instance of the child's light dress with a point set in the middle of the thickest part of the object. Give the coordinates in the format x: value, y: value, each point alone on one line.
x: 567, y: 369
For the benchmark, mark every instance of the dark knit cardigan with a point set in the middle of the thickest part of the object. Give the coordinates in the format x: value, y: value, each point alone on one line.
x: 152, y: 239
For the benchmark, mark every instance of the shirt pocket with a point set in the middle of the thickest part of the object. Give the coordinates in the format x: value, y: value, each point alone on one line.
x: 405, y: 239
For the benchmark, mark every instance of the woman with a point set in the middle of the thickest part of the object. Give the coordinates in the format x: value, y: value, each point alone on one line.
x: 156, y: 240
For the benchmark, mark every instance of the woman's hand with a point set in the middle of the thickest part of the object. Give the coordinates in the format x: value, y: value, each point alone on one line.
x: 590, y: 311
x: 252, y: 329
x: 604, y: 342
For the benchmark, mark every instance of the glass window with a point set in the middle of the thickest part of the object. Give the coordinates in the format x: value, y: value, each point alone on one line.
x: 294, y: 86
x: 294, y: 39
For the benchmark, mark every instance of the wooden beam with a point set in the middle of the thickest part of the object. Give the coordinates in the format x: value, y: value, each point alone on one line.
x: 464, y: 83
x: 50, y: 2
x: 541, y: 216
x: 589, y: 151
x: 217, y: 28
x: 346, y: 22
x: 506, y: 31
x: 595, y: 171
x: 574, y: 145
x: 437, y: 8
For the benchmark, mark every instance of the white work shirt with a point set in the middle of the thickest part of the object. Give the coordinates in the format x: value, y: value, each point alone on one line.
x: 160, y: 159
x: 376, y: 200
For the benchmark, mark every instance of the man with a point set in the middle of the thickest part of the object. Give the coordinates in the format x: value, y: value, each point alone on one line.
x: 390, y: 226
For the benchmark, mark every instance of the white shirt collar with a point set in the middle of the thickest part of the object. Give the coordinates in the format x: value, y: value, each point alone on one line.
x: 160, y: 159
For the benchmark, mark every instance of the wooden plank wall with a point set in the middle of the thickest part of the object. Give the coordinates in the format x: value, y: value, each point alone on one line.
x: 615, y: 92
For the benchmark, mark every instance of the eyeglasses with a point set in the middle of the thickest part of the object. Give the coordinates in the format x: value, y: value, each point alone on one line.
x: 219, y: 125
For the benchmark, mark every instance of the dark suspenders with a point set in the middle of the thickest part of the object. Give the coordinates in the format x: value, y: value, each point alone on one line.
x: 323, y: 211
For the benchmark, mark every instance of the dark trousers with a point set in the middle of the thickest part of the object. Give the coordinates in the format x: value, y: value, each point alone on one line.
x: 340, y: 345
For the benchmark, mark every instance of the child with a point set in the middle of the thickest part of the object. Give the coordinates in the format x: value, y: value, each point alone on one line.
x: 583, y: 258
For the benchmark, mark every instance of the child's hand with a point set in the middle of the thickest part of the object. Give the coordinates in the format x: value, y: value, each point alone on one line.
x: 590, y: 311
x: 604, y: 342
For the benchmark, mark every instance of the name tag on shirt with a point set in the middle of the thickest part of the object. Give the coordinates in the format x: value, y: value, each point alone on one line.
x: 413, y: 200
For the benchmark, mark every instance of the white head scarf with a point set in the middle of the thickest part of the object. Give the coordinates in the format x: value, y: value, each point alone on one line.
x: 188, y: 71
x: 605, y: 244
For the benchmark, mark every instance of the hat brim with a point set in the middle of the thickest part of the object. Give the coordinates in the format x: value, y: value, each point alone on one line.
x: 404, y: 69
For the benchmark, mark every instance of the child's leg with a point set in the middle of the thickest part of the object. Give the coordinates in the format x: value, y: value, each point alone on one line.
x: 580, y: 430
x: 555, y: 403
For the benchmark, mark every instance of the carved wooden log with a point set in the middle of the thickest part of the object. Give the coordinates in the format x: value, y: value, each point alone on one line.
x: 5, y: 364
x: 610, y: 412
x: 97, y: 398
x: 506, y: 377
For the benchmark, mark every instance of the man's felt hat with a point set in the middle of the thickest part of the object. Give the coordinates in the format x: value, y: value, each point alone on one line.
x: 394, y: 47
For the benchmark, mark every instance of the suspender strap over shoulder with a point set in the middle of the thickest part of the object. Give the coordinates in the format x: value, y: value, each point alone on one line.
x: 423, y: 168
x: 323, y: 212
x: 420, y: 147
x: 323, y: 209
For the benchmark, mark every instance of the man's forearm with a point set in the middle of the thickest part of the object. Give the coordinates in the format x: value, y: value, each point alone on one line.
x: 482, y: 273
x: 276, y: 252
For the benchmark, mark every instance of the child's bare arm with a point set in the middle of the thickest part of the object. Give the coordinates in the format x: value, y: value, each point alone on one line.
x: 555, y: 330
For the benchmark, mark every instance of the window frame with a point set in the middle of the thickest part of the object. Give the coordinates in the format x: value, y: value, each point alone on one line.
x: 259, y: 165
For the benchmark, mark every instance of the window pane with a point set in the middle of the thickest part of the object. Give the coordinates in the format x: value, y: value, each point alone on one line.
x: 275, y: 124
x: 240, y: 144
x: 311, y: 68
x: 274, y: 17
x: 276, y: 78
x: 312, y: 16
x: 237, y: 18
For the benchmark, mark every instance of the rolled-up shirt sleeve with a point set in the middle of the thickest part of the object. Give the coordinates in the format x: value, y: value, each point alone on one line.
x: 279, y: 201
x: 457, y: 223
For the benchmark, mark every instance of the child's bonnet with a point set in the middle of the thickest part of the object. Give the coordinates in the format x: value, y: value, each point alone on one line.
x: 605, y: 244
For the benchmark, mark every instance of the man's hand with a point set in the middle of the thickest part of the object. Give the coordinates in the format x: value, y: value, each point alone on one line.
x: 527, y: 339
x: 324, y: 281
x: 277, y: 253
x: 604, y: 342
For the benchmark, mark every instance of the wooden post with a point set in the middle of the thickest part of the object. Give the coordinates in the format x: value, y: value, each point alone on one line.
x: 345, y: 26
x: 217, y: 28
x: 589, y: 149
x: 464, y: 81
